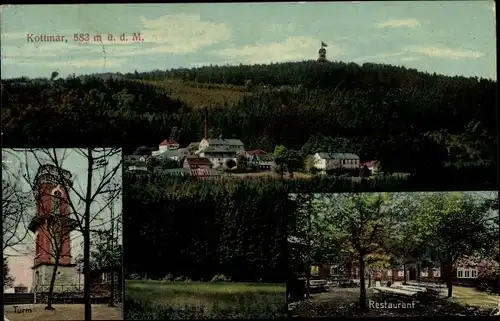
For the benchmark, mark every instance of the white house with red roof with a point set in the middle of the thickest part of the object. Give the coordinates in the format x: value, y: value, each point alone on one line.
x: 169, y: 148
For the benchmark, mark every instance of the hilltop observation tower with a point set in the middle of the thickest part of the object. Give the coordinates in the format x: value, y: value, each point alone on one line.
x: 50, y: 222
x: 322, y: 52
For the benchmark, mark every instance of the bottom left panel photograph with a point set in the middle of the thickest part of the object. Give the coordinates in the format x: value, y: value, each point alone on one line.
x: 62, y: 233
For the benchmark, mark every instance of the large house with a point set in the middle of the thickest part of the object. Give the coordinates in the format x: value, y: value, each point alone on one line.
x: 218, y: 156
x: 194, y: 162
x: 169, y: 148
x: 329, y: 161
x: 220, y: 143
x: 460, y: 274
x: 261, y: 159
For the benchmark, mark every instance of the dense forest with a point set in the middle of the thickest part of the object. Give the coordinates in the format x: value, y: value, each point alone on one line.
x: 410, y: 121
x: 197, y: 231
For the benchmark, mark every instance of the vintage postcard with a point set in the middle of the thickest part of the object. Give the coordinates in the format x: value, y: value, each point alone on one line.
x: 222, y: 110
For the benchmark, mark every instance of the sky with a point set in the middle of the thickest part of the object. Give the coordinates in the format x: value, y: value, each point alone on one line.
x: 445, y: 37
x: 21, y: 257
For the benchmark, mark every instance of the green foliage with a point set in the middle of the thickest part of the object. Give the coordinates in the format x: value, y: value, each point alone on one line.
x: 143, y: 150
x: 402, y: 118
x: 230, y: 163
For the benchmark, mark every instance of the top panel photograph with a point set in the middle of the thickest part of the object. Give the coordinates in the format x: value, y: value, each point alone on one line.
x: 314, y: 97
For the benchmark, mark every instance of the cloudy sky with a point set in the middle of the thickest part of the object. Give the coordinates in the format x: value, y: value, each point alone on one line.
x: 443, y: 37
x: 21, y: 257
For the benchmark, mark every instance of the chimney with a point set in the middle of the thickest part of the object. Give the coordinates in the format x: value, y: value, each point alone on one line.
x: 206, y: 122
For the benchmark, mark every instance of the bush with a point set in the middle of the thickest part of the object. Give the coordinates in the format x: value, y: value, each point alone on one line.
x: 134, y: 276
x: 179, y: 279
x: 169, y: 277
x: 220, y: 278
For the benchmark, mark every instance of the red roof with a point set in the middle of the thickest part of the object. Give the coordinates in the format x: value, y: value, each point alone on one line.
x: 254, y: 152
x: 198, y: 161
x: 369, y: 164
x: 167, y: 142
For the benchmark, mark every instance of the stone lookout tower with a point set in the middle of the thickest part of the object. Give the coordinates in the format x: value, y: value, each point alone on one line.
x: 52, y: 226
x: 322, y: 52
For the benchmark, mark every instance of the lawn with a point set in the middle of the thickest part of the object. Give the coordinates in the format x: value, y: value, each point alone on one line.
x: 160, y: 300
x: 343, y: 302
x: 62, y: 312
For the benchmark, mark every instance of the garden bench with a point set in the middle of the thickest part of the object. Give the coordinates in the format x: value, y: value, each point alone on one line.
x: 410, y: 288
x: 395, y: 292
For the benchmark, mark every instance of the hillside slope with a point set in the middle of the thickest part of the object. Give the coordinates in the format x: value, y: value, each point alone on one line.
x: 409, y: 120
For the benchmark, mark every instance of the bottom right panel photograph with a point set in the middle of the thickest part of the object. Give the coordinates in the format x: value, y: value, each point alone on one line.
x: 393, y: 254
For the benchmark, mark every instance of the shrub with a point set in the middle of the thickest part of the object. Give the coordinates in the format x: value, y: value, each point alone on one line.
x: 220, y: 278
x: 169, y: 277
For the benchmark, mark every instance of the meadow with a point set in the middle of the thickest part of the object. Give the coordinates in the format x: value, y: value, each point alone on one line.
x: 160, y: 300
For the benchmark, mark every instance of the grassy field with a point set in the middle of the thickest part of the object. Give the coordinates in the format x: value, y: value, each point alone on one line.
x: 160, y: 300
x: 62, y: 312
x: 343, y: 302
x: 197, y: 95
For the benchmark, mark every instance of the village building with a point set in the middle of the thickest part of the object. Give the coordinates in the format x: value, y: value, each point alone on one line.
x: 134, y: 168
x: 193, y: 162
x: 218, y: 156
x: 135, y: 158
x: 373, y: 166
x: 170, y: 149
x: 20, y: 288
x: 261, y: 159
x: 233, y: 145
x: 461, y: 274
x: 330, y: 161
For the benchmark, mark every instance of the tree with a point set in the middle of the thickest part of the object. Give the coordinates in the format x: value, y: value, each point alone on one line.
x: 361, y: 222
x: 54, y: 75
x: 14, y: 211
x: 365, y: 172
x: 87, y: 206
x: 143, y: 150
x: 459, y: 226
x: 242, y: 162
x: 8, y: 280
x: 230, y: 163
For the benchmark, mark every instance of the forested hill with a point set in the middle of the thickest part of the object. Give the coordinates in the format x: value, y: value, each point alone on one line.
x: 409, y: 120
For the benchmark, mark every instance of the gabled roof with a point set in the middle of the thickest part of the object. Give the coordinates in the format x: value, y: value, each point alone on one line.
x: 168, y: 142
x: 198, y: 161
x: 218, y: 141
x: 338, y: 156
x: 172, y: 153
x: 372, y: 163
x: 255, y: 152
x: 217, y: 150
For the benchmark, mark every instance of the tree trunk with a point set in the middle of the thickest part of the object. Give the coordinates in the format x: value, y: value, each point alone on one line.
x: 362, y: 292
x: 308, y: 281
x: 51, y: 286
x: 86, y: 277
x: 404, y: 273
x: 393, y: 276
x: 449, y: 278
x: 112, y: 290
x: 418, y: 272
x: 86, y: 238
